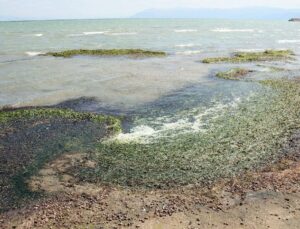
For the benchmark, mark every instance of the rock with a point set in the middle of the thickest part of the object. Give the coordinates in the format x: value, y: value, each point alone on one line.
x: 295, y: 19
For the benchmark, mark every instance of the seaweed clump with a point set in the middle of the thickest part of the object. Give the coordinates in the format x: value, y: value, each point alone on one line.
x: 107, y: 52
x: 233, y: 74
x: 240, y: 57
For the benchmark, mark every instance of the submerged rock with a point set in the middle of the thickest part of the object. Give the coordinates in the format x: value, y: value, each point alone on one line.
x: 233, y: 74
x: 295, y: 19
x: 106, y: 52
x: 240, y: 57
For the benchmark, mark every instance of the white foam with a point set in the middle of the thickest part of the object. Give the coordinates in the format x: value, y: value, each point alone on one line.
x: 166, y: 127
x: 250, y: 50
x: 122, y: 34
x: 189, y: 52
x: 185, y: 30
x: 226, y: 30
x: 38, y: 35
x: 136, y: 133
x: 185, y: 45
x: 288, y: 41
x: 94, y: 33
x: 76, y: 35
x: 34, y: 53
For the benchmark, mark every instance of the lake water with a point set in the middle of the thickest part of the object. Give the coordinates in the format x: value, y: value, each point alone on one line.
x: 156, y: 94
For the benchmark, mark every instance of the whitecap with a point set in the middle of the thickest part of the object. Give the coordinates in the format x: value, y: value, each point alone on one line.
x: 34, y: 53
x: 76, y: 35
x: 189, y: 52
x: 226, y: 30
x: 38, y: 35
x: 185, y: 45
x: 250, y: 50
x: 122, y: 34
x: 94, y: 33
x: 288, y: 41
x: 185, y: 30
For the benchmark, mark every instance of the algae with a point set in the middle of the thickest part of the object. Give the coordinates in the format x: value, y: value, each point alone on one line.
x: 245, y: 138
x: 107, y: 52
x: 46, y: 113
x: 240, y: 57
x: 31, y: 137
x: 233, y: 74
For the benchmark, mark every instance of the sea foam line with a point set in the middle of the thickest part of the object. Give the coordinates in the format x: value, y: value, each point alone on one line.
x: 185, y: 45
x: 94, y: 33
x: 144, y: 133
x: 226, y: 30
x: 189, y: 52
x: 121, y: 34
x: 34, y: 53
x: 288, y: 41
x: 185, y: 30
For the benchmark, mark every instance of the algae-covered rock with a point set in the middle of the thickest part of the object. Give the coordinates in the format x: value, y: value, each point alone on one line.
x: 107, y: 52
x: 295, y: 20
x: 233, y: 74
x: 240, y: 57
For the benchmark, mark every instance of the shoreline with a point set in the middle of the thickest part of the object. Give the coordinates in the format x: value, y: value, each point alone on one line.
x: 113, y: 206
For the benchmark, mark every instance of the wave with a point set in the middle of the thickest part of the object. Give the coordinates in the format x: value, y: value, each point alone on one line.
x: 38, y: 35
x: 102, y: 33
x: 121, y: 34
x: 189, y: 52
x: 144, y: 133
x: 288, y: 41
x: 185, y: 45
x: 185, y: 30
x: 226, y: 30
x: 250, y: 50
x: 33, y: 53
x: 94, y: 33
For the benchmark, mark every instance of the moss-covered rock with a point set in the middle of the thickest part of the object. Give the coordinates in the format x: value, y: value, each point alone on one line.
x: 234, y: 74
x: 240, y: 57
x: 107, y: 52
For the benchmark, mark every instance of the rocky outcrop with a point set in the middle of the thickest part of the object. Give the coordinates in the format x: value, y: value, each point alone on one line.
x: 295, y: 19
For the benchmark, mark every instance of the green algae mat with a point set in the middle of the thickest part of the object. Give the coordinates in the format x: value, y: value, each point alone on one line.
x: 107, y: 52
x: 31, y: 137
x: 240, y: 139
x: 243, y: 57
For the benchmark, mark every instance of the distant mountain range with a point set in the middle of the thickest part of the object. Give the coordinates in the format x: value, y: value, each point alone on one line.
x: 234, y: 13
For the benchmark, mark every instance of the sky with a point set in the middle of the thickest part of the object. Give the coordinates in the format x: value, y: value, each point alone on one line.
x: 73, y: 9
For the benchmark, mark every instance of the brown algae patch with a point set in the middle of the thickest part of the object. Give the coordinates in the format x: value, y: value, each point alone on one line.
x: 107, y: 52
x: 234, y: 74
x: 241, y: 57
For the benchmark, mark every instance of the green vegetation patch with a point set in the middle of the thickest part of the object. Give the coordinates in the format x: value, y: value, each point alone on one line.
x: 46, y: 113
x: 107, y: 52
x: 240, y: 57
x: 31, y: 137
x: 234, y: 74
x: 241, y: 139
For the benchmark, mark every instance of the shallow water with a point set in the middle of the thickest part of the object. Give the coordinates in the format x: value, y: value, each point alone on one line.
x: 156, y: 94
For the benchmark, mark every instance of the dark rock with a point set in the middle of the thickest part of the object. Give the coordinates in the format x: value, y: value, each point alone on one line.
x: 295, y: 19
